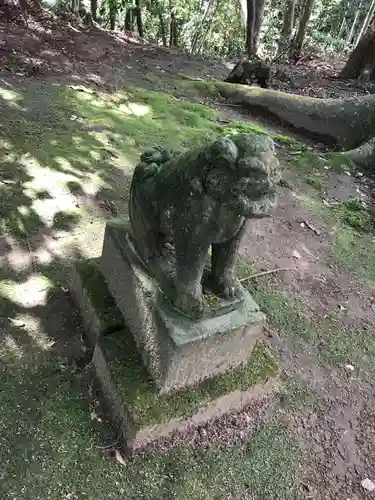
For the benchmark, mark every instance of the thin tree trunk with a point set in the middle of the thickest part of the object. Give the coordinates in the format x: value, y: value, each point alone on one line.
x: 287, y: 29
x: 94, y: 9
x: 138, y: 15
x: 173, y: 42
x: 198, y: 32
x: 288, y: 22
x: 342, y: 26
x: 366, y: 22
x: 162, y: 28
x: 361, y: 62
x: 112, y: 16
x: 302, y: 28
x: 129, y: 20
x: 351, y: 33
x: 250, y: 24
x: 208, y: 30
x: 259, y: 14
x: 75, y: 7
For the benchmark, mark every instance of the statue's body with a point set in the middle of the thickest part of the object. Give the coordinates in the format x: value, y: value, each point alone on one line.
x: 183, y: 204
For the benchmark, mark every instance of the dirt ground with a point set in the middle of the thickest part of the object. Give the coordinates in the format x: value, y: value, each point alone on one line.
x: 336, y: 429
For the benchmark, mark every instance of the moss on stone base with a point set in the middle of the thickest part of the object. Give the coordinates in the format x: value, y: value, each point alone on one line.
x: 140, y: 395
x: 102, y: 302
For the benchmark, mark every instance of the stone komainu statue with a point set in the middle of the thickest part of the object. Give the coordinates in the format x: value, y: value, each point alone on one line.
x: 182, y: 204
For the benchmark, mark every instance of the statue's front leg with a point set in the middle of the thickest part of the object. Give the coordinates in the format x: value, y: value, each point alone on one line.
x: 191, y: 254
x: 223, y: 266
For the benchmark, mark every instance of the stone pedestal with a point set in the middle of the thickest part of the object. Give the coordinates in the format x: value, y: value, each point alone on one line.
x: 177, y: 351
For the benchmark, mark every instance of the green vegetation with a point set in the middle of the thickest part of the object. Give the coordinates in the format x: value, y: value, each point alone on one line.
x: 316, y: 183
x: 354, y: 253
x: 100, y: 297
x: 339, y: 162
x: 51, y: 450
x: 140, y: 394
x: 340, y: 344
x: 238, y: 127
x: 333, y: 342
x: 293, y: 396
x: 353, y: 213
x: 286, y: 140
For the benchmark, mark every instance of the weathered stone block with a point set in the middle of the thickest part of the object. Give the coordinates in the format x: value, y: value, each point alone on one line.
x: 98, y: 310
x: 177, y: 351
x: 142, y: 416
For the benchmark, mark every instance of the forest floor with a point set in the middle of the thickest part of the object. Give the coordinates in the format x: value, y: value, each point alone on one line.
x: 77, y: 107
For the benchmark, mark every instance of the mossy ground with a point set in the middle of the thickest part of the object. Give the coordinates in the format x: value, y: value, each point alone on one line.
x: 333, y: 342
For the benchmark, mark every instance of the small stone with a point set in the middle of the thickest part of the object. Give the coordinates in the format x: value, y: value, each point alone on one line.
x: 350, y: 368
x: 368, y: 485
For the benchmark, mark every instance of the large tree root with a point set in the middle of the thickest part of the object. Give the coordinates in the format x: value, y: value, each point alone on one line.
x: 347, y: 124
x: 364, y: 155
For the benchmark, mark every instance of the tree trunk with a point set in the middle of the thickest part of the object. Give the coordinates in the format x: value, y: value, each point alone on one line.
x: 342, y: 26
x: 361, y: 63
x: 354, y: 24
x: 343, y: 123
x: 112, y: 16
x: 94, y: 9
x: 162, y: 28
x: 287, y: 29
x: 198, y: 31
x: 138, y: 16
x: 129, y: 20
x: 302, y: 28
x: 75, y: 7
x: 250, y: 24
x: 258, y: 20
x: 173, y: 42
x: 366, y: 22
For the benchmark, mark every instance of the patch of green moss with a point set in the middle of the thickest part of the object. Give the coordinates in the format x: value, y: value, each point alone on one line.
x: 140, y: 393
x: 339, y: 162
x: 238, y: 127
x: 286, y: 140
x: 354, y: 253
x: 293, y: 396
x: 211, y: 300
x: 316, y: 183
x: 353, y: 213
x: 340, y: 344
x: 305, y: 161
x: 52, y: 450
x: 333, y: 342
x: 95, y: 286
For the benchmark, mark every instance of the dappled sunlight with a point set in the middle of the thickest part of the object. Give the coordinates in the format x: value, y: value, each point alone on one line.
x: 134, y: 109
x: 11, y: 348
x: 30, y: 293
x: 34, y: 331
x: 16, y: 259
x: 9, y: 95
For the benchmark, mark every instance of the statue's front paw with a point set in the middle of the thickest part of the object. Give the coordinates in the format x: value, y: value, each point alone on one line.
x: 229, y: 287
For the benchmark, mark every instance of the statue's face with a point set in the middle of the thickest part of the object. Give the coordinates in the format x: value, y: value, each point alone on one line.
x: 248, y: 190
